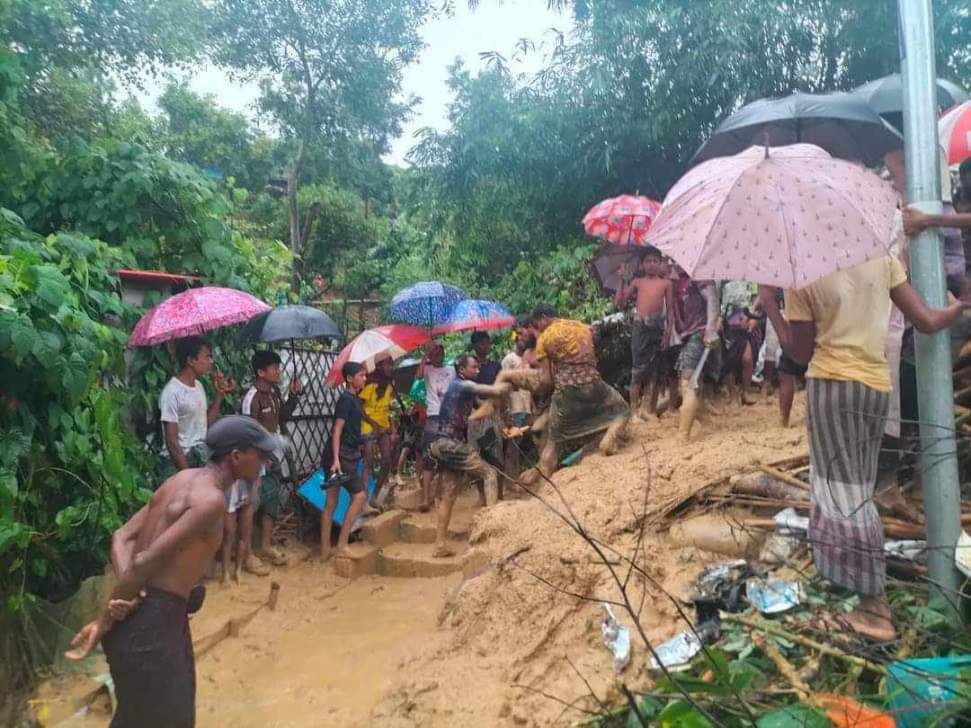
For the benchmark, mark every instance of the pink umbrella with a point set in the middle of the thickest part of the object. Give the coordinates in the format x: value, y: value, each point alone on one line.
x: 783, y: 216
x: 954, y: 130
x: 622, y: 220
x: 194, y: 312
x: 375, y: 344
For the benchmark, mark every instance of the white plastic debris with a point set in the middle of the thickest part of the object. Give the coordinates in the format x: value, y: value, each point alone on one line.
x: 788, y: 521
x: 676, y: 653
x: 962, y: 554
x: 773, y: 596
x: 911, y: 550
x: 616, y: 638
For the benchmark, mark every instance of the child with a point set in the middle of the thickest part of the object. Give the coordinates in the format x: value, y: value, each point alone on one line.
x: 651, y: 329
x: 264, y: 402
x: 341, y: 456
x: 376, y: 427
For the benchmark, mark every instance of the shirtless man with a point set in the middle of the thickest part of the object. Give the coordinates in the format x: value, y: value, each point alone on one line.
x: 650, y: 332
x: 158, y: 556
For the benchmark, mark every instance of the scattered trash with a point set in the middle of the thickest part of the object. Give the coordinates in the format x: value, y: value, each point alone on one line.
x: 917, y: 690
x: 616, y: 638
x: 845, y: 712
x: 909, y: 550
x: 572, y: 459
x: 676, y: 653
x: 790, y: 522
x: 720, y: 588
x: 780, y: 548
x: 773, y: 596
x: 962, y: 554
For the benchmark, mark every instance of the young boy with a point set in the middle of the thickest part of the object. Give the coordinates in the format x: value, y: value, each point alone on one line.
x: 437, y: 378
x: 654, y: 294
x: 185, y: 415
x: 264, y: 402
x: 341, y: 457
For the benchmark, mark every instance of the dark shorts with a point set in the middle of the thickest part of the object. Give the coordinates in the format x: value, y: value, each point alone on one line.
x: 791, y: 367
x: 455, y: 455
x: 270, y: 497
x: 691, y: 350
x: 647, y: 335
x: 429, y: 434
x: 519, y: 419
x: 152, y: 665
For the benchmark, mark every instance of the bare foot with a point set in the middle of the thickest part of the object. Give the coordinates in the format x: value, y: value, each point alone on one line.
x: 442, y: 551
x: 224, y: 577
x: 424, y: 507
x: 530, y: 477
x: 325, y: 554
x: 236, y: 573
x: 871, y: 626
x: 344, y: 552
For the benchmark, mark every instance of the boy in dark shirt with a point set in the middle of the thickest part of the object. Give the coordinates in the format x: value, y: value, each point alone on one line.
x: 341, y: 457
x: 264, y: 402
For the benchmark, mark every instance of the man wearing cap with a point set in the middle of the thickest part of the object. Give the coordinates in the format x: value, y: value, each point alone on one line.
x: 158, y: 557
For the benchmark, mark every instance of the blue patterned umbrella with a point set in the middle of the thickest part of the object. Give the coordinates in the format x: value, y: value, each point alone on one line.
x: 425, y: 304
x: 475, y: 315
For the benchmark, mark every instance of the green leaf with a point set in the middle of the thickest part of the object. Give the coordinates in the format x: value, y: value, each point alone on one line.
x: 47, y: 345
x: 682, y: 714
x: 22, y: 336
x: 793, y: 716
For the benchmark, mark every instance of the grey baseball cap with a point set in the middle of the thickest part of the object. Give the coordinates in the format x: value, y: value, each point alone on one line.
x: 238, y: 432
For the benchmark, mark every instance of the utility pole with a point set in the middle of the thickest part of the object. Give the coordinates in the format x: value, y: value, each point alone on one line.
x: 935, y: 387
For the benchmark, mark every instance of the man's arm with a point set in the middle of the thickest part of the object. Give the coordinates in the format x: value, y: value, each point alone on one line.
x: 797, y: 338
x: 123, y: 542
x: 624, y: 293
x: 296, y: 389
x: 222, y: 387
x: 713, y: 319
x: 916, y: 221
x: 490, y: 390
x: 335, y: 445
x: 172, y: 445
x: 927, y: 320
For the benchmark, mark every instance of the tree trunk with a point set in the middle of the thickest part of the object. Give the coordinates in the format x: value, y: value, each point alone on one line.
x: 296, y: 237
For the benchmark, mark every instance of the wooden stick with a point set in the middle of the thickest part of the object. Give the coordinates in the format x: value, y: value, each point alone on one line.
x: 784, y: 477
x: 785, y: 668
x: 773, y: 628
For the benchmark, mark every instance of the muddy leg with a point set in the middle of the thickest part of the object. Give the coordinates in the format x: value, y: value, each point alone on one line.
x: 748, y: 366
x: 787, y: 392
x: 427, y: 476
x: 327, y: 522
x: 690, y: 408
x: 449, y: 488
x: 635, y: 391
x: 547, y: 464
x: 611, y: 439
x: 353, y: 511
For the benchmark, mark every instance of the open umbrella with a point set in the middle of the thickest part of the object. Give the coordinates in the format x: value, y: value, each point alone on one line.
x: 375, y: 344
x: 622, y: 220
x: 194, y: 312
x: 842, y: 124
x: 611, y: 265
x: 475, y: 315
x: 288, y: 323
x: 783, y: 216
x: 954, y: 131
x: 886, y: 97
x: 425, y: 304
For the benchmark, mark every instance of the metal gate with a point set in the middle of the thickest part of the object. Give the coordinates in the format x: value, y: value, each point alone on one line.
x: 313, y: 420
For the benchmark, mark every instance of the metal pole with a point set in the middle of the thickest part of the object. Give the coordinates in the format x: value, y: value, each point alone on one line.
x: 935, y: 388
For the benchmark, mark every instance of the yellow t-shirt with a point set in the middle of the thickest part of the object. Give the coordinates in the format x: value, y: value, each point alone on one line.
x: 850, y: 309
x: 377, y: 408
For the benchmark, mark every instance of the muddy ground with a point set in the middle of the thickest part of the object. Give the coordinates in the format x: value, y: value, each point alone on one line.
x: 517, y: 644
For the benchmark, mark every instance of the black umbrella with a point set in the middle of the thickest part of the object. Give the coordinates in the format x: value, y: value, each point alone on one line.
x: 289, y: 323
x: 612, y: 264
x: 886, y: 97
x: 842, y: 124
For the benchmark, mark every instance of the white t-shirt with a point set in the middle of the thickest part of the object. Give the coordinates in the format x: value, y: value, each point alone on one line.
x: 520, y: 400
x: 437, y: 380
x: 186, y: 407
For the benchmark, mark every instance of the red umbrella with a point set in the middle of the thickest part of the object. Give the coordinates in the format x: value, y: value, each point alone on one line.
x: 375, y: 344
x: 622, y: 220
x: 194, y: 312
x: 954, y: 129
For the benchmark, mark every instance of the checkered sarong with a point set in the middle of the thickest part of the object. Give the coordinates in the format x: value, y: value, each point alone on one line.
x: 845, y: 422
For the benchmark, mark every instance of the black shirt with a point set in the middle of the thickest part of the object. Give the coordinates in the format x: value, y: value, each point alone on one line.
x: 488, y: 371
x: 349, y: 409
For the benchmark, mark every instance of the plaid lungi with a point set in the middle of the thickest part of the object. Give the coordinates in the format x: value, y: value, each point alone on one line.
x: 845, y: 422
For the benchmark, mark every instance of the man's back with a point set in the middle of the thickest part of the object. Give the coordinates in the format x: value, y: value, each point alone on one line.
x: 192, y: 492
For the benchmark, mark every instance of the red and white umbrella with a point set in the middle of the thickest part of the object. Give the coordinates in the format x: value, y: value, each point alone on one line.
x: 954, y: 129
x: 375, y: 344
x: 194, y: 312
x: 622, y: 220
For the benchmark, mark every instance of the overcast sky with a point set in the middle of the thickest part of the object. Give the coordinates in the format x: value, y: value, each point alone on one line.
x: 495, y: 26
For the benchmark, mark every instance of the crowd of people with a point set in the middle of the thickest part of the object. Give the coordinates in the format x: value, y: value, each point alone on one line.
x: 846, y: 334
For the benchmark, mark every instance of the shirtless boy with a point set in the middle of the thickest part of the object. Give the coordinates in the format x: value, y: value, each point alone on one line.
x: 158, y: 557
x: 654, y: 294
